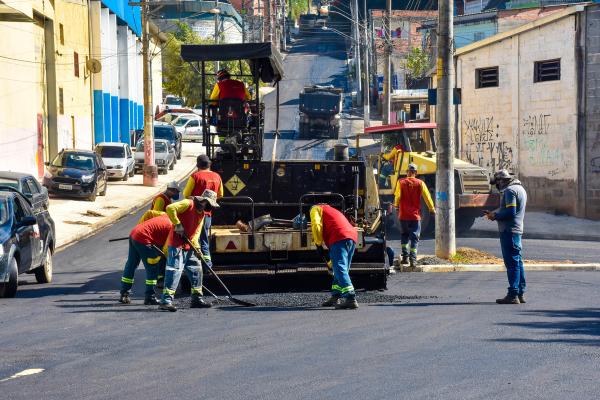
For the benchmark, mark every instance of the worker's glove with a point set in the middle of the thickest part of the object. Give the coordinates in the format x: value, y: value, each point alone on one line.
x: 329, y: 267
x: 179, y: 229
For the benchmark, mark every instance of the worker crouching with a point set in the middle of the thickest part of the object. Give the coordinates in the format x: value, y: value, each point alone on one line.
x: 145, y: 242
x: 331, y: 227
x: 186, y: 217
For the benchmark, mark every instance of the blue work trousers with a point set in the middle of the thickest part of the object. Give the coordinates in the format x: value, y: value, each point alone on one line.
x: 341, y: 253
x: 410, y: 233
x: 177, y: 261
x: 151, y: 260
x: 513, y: 260
x: 204, y: 240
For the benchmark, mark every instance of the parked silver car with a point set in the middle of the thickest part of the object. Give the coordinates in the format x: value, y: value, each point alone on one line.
x: 164, y: 155
x: 118, y: 159
x: 190, y: 127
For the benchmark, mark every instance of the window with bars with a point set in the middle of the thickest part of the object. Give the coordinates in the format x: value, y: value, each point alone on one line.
x: 548, y: 70
x: 486, y: 77
x: 61, y: 102
x: 76, y: 63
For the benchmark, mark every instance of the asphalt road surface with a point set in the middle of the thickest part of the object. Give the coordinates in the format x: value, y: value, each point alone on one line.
x: 316, y: 59
x: 430, y: 336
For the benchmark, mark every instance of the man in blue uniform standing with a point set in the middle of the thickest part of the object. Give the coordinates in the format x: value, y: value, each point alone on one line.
x: 510, y: 225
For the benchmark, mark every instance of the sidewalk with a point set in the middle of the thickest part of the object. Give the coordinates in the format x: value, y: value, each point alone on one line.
x: 542, y: 225
x: 76, y: 219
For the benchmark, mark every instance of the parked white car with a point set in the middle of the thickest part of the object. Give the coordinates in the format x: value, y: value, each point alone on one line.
x: 190, y: 127
x: 164, y: 155
x: 118, y: 158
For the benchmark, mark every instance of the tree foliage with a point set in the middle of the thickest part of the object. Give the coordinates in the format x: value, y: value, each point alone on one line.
x: 417, y: 63
x: 297, y: 7
x: 181, y: 78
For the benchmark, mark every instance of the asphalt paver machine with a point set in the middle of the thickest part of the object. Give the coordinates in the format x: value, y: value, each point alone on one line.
x: 253, y: 234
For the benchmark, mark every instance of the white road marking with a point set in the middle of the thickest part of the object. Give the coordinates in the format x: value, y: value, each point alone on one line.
x: 25, y: 372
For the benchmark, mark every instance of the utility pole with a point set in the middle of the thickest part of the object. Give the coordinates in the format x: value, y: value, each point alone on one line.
x: 284, y: 17
x: 150, y: 170
x: 445, y: 241
x: 357, y: 58
x: 366, y: 85
x: 243, y: 21
x: 216, y: 33
x: 387, y: 69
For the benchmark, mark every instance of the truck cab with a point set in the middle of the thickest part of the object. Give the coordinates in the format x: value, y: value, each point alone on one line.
x: 415, y: 143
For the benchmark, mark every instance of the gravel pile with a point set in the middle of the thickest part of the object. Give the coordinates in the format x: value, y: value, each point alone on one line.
x: 310, y: 300
x: 432, y: 261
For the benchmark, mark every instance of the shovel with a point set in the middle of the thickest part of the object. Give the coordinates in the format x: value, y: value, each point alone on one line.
x: 229, y: 295
x: 159, y: 251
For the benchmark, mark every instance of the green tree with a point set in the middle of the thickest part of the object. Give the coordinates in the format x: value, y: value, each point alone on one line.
x: 181, y: 78
x: 417, y: 63
x: 297, y: 7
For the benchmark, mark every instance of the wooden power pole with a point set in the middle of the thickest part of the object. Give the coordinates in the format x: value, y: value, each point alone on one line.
x: 387, y: 69
x: 150, y: 170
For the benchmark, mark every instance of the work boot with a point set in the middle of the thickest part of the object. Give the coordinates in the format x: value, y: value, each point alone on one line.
x: 522, y: 299
x: 167, y: 307
x: 125, y: 298
x: 404, y: 260
x: 150, y: 300
x: 413, y: 262
x: 332, y: 301
x: 508, y: 300
x: 347, y: 303
x: 198, y: 302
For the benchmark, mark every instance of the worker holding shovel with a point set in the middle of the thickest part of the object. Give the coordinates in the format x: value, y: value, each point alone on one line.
x: 145, y: 242
x: 186, y: 217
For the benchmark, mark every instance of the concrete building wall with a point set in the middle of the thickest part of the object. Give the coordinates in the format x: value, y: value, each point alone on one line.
x: 591, y: 137
x: 530, y: 128
x: 465, y: 34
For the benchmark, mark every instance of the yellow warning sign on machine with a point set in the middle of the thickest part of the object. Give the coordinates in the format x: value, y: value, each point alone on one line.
x: 235, y: 185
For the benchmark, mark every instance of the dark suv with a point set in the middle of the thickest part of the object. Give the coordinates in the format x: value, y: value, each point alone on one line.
x: 27, y: 239
x: 76, y: 173
x: 169, y: 133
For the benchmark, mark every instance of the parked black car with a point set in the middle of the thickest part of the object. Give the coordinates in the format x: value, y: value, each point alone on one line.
x: 169, y: 133
x: 76, y: 173
x: 27, y: 239
x: 28, y: 185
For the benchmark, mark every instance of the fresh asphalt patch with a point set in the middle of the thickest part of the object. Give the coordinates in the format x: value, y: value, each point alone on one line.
x: 307, y: 300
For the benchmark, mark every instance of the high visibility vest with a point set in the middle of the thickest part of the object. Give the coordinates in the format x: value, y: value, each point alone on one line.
x: 165, y: 198
x: 206, y: 179
x: 190, y: 219
x: 410, y: 200
x: 336, y: 226
x: 154, y: 231
x: 231, y: 89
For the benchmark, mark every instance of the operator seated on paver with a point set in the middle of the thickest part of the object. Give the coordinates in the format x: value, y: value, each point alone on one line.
x: 330, y: 227
x: 394, y: 156
x: 146, y: 242
x: 227, y: 88
x: 510, y: 216
x: 197, y: 183
x: 186, y: 217
x: 407, y: 200
x: 162, y: 200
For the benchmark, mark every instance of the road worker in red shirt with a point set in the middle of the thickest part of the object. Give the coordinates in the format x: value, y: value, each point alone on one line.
x: 197, y: 183
x: 227, y: 88
x: 330, y: 227
x: 186, y: 217
x: 144, y: 240
x: 162, y: 200
x: 407, y: 201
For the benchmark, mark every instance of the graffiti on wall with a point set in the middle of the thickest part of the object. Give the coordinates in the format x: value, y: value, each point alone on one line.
x: 541, y: 149
x: 482, y: 145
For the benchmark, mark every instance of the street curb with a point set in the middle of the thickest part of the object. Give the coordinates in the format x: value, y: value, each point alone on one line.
x: 501, y: 268
x: 117, y: 215
x: 528, y: 235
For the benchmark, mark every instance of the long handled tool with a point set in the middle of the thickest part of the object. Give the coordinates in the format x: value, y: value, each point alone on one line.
x: 118, y: 239
x: 162, y: 254
x: 229, y: 295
